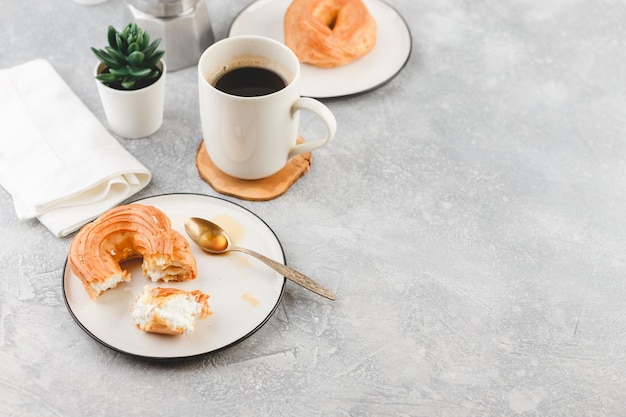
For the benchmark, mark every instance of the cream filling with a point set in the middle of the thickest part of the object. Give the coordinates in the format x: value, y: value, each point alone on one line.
x: 110, y: 282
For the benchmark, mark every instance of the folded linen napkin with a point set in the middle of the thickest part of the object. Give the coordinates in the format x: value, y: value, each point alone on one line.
x: 57, y: 160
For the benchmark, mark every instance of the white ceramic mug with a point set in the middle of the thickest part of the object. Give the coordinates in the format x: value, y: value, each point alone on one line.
x: 254, y: 137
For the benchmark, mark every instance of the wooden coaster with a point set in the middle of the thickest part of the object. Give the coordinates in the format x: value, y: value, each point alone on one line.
x: 254, y: 190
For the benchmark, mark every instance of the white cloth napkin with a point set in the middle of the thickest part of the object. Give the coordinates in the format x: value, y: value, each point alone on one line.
x: 57, y: 161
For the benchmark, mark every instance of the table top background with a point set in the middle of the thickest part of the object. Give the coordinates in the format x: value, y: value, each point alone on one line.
x: 470, y: 216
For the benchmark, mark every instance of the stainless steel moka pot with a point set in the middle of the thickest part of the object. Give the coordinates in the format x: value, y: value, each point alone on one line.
x: 183, y: 26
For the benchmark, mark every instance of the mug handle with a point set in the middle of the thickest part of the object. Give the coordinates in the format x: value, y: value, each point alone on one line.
x: 314, y: 106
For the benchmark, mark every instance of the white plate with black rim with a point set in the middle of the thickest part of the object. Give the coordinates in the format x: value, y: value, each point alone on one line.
x: 379, y: 66
x: 244, y: 293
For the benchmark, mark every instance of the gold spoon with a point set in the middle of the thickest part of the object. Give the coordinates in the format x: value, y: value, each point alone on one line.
x: 214, y: 239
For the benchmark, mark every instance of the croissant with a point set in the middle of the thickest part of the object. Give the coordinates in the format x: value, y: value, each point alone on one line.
x: 126, y: 232
x: 169, y: 311
x: 329, y: 33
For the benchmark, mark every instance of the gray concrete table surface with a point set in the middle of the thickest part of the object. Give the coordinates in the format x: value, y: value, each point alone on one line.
x: 470, y: 215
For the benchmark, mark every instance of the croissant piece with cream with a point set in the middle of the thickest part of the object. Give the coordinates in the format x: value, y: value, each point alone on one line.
x: 169, y: 311
x: 126, y: 232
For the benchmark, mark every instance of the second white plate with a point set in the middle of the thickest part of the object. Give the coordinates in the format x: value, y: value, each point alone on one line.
x: 244, y: 293
x: 392, y: 50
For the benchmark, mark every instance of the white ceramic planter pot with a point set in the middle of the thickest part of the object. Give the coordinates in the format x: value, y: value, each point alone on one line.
x: 133, y: 113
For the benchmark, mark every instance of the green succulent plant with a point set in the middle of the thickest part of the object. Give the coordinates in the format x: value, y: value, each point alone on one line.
x: 130, y: 59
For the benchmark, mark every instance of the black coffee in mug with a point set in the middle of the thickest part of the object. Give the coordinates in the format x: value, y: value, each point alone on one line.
x: 250, y: 82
